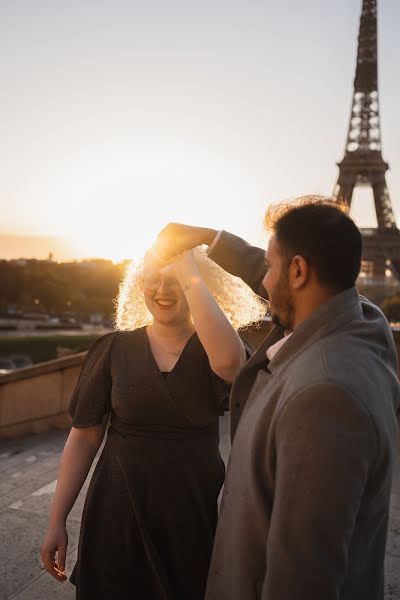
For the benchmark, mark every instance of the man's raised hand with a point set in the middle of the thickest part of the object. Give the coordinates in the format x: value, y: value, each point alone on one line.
x: 177, y: 237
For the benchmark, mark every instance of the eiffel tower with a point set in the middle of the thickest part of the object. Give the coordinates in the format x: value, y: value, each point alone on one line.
x: 363, y: 165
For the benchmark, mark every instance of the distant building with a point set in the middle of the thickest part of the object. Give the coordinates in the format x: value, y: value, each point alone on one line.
x: 96, y: 318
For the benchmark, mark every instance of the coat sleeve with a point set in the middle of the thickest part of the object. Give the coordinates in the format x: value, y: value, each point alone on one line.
x: 239, y: 258
x: 325, y: 446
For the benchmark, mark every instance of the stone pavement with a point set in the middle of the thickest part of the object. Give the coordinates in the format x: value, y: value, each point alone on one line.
x: 28, y: 471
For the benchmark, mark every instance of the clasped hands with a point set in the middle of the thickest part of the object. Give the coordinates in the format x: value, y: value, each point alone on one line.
x: 175, y: 238
x: 173, y: 248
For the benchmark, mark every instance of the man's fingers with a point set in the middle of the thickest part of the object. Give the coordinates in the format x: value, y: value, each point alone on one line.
x: 173, y: 239
x: 164, y: 230
x: 166, y: 250
x: 169, y: 230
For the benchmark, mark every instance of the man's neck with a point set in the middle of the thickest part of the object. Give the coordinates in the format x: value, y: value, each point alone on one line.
x: 309, y: 303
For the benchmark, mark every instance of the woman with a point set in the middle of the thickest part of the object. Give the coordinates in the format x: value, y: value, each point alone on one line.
x: 151, y: 508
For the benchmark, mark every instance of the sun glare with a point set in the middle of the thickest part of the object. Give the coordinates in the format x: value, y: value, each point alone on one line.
x: 114, y: 206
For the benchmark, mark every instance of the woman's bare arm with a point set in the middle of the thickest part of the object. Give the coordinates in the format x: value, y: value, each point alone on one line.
x: 79, y: 452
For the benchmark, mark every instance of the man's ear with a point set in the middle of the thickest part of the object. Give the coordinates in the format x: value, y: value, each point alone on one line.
x: 299, y: 272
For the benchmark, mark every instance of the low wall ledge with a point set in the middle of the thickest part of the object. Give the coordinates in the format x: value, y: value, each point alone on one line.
x: 75, y: 360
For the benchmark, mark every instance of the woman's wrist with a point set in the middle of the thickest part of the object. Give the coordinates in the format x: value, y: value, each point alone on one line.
x: 57, y: 521
x: 187, y: 271
x: 188, y: 280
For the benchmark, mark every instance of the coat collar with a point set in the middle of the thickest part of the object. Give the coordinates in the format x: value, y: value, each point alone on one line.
x: 337, y: 311
x: 258, y: 358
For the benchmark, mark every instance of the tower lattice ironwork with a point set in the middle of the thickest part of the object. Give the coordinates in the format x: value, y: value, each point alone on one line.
x: 363, y: 164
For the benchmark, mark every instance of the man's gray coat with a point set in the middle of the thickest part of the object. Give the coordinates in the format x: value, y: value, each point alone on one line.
x: 304, y: 513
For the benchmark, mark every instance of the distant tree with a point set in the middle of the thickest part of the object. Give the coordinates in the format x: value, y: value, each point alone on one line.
x: 11, y: 283
x: 78, y: 288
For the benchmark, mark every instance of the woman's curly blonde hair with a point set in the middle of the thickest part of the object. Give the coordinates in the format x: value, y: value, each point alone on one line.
x: 240, y: 304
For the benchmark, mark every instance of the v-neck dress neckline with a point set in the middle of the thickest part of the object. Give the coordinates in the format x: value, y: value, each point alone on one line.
x: 185, y: 347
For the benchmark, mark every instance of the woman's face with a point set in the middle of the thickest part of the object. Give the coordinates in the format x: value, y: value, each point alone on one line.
x: 163, y: 295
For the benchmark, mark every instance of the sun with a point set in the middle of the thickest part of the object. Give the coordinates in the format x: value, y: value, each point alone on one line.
x: 113, y: 206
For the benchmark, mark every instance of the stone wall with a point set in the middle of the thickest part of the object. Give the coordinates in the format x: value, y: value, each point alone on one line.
x: 35, y: 399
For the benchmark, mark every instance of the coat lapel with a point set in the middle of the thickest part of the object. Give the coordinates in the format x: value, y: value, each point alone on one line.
x: 244, y: 381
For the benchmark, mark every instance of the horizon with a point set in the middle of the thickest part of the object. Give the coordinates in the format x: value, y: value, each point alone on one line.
x: 43, y: 248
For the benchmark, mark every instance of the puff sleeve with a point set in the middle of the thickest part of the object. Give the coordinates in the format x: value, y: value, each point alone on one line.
x: 91, y: 399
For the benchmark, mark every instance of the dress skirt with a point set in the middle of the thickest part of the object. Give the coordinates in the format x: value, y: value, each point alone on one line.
x: 149, y: 519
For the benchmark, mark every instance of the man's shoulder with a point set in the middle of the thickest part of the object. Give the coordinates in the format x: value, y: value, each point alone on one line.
x: 368, y: 338
x: 358, y: 360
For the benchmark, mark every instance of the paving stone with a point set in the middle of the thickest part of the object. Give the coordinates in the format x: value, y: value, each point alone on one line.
x: 24, y: 471
x: 7, y: 485
x: 21, y: 491
x: 21, y: 534
x: 395, y: 501
x: 396, y: 472
x: 46, y: 476
x: 39, y: 501
x: 393, y: 543
x: 396, y: 481
x: 392, y: 577
x: 22, y: 527
x: 13, y: 452
x: 44, y: 587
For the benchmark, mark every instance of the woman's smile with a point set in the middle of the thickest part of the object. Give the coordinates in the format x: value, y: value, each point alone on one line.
x: 165, y: 303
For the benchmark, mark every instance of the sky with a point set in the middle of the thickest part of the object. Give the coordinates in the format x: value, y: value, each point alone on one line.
x: 118, y: 116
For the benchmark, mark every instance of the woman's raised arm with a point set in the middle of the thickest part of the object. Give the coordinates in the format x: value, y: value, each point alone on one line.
x: 219, y: 339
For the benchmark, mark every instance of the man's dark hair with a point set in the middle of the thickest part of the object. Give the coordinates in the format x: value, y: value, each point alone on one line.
x: 320, y: 231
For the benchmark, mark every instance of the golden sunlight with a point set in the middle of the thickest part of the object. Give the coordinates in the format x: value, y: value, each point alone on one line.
x: 113, y: 206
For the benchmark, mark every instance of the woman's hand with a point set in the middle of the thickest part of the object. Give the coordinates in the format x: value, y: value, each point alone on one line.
x: 78, y: 455
x: 56, y: 540
x: 184, y: 268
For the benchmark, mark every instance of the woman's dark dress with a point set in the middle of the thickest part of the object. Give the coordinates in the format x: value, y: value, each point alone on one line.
x: 151, y: 509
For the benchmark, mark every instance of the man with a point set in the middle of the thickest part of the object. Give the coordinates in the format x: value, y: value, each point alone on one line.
x: 304, y: 513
